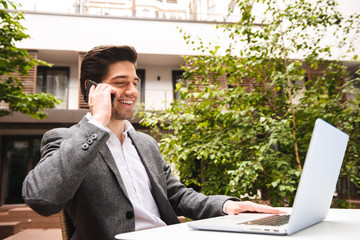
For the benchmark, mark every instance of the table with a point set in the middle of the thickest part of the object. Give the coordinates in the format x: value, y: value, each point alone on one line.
x: 340, y: 224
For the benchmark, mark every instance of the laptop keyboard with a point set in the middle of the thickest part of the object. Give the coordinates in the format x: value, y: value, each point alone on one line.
x: 274, y: 220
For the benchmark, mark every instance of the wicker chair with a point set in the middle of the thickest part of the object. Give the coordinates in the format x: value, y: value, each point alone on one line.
x: 67, y: 228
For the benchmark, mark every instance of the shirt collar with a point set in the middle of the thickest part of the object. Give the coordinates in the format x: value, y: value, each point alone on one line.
x: 127, y: 127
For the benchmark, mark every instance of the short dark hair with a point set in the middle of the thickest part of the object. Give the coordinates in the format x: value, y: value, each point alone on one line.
x: 96, y: 62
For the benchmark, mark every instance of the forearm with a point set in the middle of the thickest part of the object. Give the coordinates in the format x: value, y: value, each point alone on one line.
x: 199, y: 206
x: 187, y: 202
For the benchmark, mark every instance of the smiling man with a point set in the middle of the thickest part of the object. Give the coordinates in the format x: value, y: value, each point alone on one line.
x: 107, y: 177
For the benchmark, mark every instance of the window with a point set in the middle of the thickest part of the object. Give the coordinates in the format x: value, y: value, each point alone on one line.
x: 54, y: 81
x: 177, y: 77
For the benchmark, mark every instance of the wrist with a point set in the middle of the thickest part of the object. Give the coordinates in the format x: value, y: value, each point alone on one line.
x: 100, y: 120
x: 224, y: 207
x: 99, y: 125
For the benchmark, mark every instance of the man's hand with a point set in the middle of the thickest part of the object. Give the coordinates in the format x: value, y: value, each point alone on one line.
x: 100, y: 102
x: 235, y: 207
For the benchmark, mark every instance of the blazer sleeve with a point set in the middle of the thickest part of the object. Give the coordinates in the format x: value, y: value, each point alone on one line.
x: 183, y: 200
x: 66, y: 155
x: 189, y: 203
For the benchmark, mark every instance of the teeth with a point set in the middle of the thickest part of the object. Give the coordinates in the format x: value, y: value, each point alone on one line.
x: 126, y: 102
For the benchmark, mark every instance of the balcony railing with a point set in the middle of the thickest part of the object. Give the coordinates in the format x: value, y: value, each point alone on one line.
x: 144, y: 9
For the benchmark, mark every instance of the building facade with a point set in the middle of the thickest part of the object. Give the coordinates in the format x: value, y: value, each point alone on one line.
x: 62, y: 31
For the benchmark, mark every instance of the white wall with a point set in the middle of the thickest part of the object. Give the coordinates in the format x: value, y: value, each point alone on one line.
x: 158, y: 93
x: 81, y: 33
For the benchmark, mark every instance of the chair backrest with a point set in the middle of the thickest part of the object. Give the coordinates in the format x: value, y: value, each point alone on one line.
x: 67, y: 228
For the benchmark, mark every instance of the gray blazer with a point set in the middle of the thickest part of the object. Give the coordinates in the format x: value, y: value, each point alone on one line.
x: 77, y: 172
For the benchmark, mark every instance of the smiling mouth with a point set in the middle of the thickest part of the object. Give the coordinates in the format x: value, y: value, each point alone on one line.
x: 126, y: 102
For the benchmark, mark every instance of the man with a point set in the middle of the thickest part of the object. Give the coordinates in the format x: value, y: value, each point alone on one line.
x: 109, y: 178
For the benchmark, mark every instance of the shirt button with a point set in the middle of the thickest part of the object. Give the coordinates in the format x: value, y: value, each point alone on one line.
x: 94, y: 136
x: 129, y: 215
x: 90, y: 141
x: 85, y: 146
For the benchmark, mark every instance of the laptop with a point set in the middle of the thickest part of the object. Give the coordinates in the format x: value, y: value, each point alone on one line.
x: 313, y: 197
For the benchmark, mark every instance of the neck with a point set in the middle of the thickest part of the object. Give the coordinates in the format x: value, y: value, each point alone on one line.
x: 118, y: 128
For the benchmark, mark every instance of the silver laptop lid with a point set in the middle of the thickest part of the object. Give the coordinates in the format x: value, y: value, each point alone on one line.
x: 319, y: 176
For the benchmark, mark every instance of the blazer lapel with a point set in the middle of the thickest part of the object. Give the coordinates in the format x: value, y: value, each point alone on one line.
x: 166, y: 211
x: 109, y: 160
x: 144, y: 153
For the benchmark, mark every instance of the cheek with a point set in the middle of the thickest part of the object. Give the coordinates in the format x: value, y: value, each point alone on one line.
x: 136, y: 93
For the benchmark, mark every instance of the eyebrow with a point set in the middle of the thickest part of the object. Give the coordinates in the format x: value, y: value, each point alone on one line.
x: 124, y: 77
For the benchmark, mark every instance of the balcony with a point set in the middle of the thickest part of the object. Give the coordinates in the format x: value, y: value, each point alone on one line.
x: 182, y: 10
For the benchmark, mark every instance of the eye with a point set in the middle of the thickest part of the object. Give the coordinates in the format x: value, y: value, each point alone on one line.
x: 119, y: 83
x: 136, y: 83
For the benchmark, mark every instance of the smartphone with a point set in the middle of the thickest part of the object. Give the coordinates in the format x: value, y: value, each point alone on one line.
x: 87, y: 89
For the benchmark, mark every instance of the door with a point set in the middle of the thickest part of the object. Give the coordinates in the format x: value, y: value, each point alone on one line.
x: 20, y: 155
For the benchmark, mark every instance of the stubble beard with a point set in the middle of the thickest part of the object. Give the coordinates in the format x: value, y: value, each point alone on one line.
x: 123, y: 115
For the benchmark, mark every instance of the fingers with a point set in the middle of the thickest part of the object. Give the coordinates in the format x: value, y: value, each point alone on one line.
x: 100, y: 102
x: 101, y: 94
x: 264, y: 209
x: 233, y: 208
x: 102, y: 89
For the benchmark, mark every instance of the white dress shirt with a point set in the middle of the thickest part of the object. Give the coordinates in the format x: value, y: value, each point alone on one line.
x: 135, y: 178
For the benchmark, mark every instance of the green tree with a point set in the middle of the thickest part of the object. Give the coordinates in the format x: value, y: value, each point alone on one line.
x: 14, y: 63
x: 253, y: 136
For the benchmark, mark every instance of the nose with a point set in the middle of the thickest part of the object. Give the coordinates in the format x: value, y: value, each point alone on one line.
x: 131, y: 90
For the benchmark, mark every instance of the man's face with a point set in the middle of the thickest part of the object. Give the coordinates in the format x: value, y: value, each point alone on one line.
x: 122, y: 76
